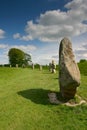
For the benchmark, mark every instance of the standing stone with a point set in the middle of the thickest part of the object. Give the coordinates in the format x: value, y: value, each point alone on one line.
x: 33, y: 66
x: 16, y: 65
x: 50, y: 67
x: 23, y: 65
x: 40, y: 67
x: 53, y: 66
x: 69, y: 74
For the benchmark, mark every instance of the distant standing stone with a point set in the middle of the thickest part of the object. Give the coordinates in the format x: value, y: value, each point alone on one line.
x: 50, y: 68
x: 16, y: 65
x: 33, y: 66
x: 23, y: 65
x: 69, y: 74
x: 53, y: 66
x: 40, y: 67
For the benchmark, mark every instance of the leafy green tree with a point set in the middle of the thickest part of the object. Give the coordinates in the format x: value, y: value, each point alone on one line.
x: 82, y: 60
x: 17, y: 56
x: 27, y: 59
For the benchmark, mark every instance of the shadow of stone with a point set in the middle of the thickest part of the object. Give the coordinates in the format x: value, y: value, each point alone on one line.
x: 38, y: 96
x: 56, y: 78
x: 47, y: 72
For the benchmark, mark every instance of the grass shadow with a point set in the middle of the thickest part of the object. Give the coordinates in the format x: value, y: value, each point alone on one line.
x: 57, y: 78
x: 47, y: 72
x: 38, y: 96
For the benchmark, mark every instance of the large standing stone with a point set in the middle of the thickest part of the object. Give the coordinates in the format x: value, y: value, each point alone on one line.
x: 69, y: 74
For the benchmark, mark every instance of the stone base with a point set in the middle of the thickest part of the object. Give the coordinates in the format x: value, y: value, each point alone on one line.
x: 68, y: 93
x: 55, y: 99
x: 53, y: 71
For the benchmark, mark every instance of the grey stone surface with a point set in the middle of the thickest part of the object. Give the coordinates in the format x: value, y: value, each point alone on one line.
x: 40, y: 67
x: 69, y: 74
x: 53, y: 67
x: 33, y: 66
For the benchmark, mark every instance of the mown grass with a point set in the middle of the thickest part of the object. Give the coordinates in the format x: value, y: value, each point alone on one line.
x: 24, y: 103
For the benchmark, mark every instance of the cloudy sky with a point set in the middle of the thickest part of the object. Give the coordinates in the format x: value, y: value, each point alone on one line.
x: 37, y: 27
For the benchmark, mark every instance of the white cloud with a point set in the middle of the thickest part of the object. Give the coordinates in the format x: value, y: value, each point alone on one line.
x: 75, y: 4
x: 25, y: 38
x: 3, y: 59
x: 45, y: 59
x: 85, y: 56
x: 25, y: 48
x: 17, y: 35
x: 81, y: 52
x: 55, y: 24
x: 45, y: 55
x: 85, y: 46
x: 3, y: 46
x: 2, y: 33
x: 55, y: 57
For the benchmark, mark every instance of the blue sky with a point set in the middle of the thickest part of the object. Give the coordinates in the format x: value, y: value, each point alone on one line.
x: 37, y: 27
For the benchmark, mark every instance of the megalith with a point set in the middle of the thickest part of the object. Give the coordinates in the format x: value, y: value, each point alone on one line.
x: 33, y: 66
x: 53, y: 67
x: 69, y: 74
x: 40, y: 67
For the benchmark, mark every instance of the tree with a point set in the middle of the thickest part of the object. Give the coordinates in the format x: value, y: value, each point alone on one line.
x: 82, y: 60
x: 27, y: 59
x: 17, y: 56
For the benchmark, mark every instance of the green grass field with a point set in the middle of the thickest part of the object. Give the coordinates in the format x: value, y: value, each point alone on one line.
x: 24, y: 103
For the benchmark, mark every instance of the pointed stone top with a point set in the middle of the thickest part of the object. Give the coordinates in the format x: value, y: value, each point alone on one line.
x: 65, y: 39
